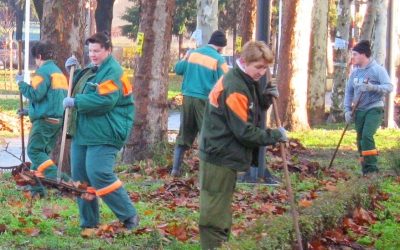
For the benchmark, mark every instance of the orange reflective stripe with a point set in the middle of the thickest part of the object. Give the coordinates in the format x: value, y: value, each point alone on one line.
x: 203, y: 60
x: 107, y: 87
x: 38, y: 174
x: 111, y: 188
x: 59, y: 81
x: 216, y: 92
x: 369, y: 152
x: 126, y: 85
x: 42, y: 167
x: 36, y: 81
x: 91, y: 190
x: 225, y: 67
x: 238, y: 104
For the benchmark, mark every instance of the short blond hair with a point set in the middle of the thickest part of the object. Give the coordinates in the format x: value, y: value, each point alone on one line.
x: 256, y: 50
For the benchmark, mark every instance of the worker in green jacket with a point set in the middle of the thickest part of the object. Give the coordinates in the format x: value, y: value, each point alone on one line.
x: 228, y: 136
x: 46, y: 92
x: 100, y: 123
x: 200, y: 69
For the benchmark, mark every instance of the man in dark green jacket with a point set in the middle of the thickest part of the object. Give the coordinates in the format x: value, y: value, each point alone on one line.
x: 228, y: 136
x: 46, y: 92
x: 201, y: 69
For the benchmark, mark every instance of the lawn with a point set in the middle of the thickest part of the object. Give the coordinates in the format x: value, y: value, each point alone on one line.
x: 168, y: 207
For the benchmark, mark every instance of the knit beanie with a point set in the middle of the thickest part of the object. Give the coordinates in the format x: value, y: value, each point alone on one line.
x: 218, y: 38
x: 363, y: 47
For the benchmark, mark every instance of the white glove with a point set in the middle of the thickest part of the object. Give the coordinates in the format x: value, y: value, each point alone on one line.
x: 68, y: 102
x: 283, y: 132
x: 19, y: 78
x: 370, y: 87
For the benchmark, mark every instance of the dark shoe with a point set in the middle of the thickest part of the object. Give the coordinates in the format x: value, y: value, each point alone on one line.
x: 175, y: 173
x: 272, y: 181
x: 132, y: 222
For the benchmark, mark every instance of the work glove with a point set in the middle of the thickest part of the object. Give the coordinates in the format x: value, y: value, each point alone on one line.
x: 71, y: 61
x: 271, y: 90
x: 19, y: 78
x: 68, y: 102
x: 348, y: 117
x: 370, y: 87
x: 22, y: 112
x: 283, y: 132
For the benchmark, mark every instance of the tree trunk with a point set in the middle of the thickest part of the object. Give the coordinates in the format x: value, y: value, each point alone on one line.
x: 341, y: 63
x: 104, y: 15
x: 380, y: 34
x: 247, y: 19
x: 369, y: 21
x: 207, y: 19
x: 180, y: 49
x: 19, y: 10
x: 318, y: 64
x: 151, y: 77
x: 39, y: 8
x: 293, y: 63
x: 66, y: 32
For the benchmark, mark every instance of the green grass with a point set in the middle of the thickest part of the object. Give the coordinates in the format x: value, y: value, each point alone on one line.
x: 174, y: 85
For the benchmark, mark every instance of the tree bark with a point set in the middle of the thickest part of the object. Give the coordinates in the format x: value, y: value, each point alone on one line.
x: 341, y: 63
x: 293, y: 63
x: 104, y: 15
x: 66, y: 32
x: 318, y: 64
x: 19, y: 10
x: 247, y: 19
x: 39, y: 8
x: 151, y: 75
x: 207, y: 19
x: 380, y: 34
x: 369, y: 21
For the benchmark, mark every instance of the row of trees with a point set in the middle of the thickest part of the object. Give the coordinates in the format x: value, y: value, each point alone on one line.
x: 301, y: 75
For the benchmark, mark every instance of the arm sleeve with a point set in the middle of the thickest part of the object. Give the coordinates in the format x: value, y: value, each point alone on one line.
x: 247, y: 133
x: 385, y: 83
x: 100, y: 101
x: 37, y: 90
x: 180, y: 67
x: 222, y: 68
x: 349, y: 95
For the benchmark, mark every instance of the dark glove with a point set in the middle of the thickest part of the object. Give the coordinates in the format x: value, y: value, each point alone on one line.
x: 271, y: 90
x: 22, y: 112
x: 348, y: 117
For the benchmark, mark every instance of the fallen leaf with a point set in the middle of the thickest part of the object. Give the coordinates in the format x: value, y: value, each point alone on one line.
x: 305, y: 203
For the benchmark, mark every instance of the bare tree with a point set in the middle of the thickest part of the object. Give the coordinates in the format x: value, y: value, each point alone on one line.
x: 247, y: 19
x: 104, y: 15
x: 293, y: 63
x: 151, y: 77
x: 369, y: 21
x: 67, y: 32
x: 341, y: 57
x: 207, y: 18
x: 318, y: 64
x: 380, y: 34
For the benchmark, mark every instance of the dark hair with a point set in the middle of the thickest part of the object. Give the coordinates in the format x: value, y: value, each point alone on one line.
x: 363, y: 47
x: 44, y: 49
x: 102, y: 38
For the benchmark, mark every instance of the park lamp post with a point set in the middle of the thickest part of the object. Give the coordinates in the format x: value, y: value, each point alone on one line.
x: 26, y: 45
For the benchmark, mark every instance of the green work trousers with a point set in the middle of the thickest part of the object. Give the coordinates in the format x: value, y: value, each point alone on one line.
x: 367, y: 123
x: 42, y: 138
x: 217, y: 184
x: 192, y: 112
x: 94, y: 165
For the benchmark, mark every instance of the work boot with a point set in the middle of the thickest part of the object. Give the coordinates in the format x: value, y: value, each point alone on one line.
x: 250, y: 176
x: 179, y: 152
x: 132, y: 222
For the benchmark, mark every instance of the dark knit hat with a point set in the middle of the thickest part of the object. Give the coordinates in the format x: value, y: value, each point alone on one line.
x: 218, y: 38
x: 363, y: 47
